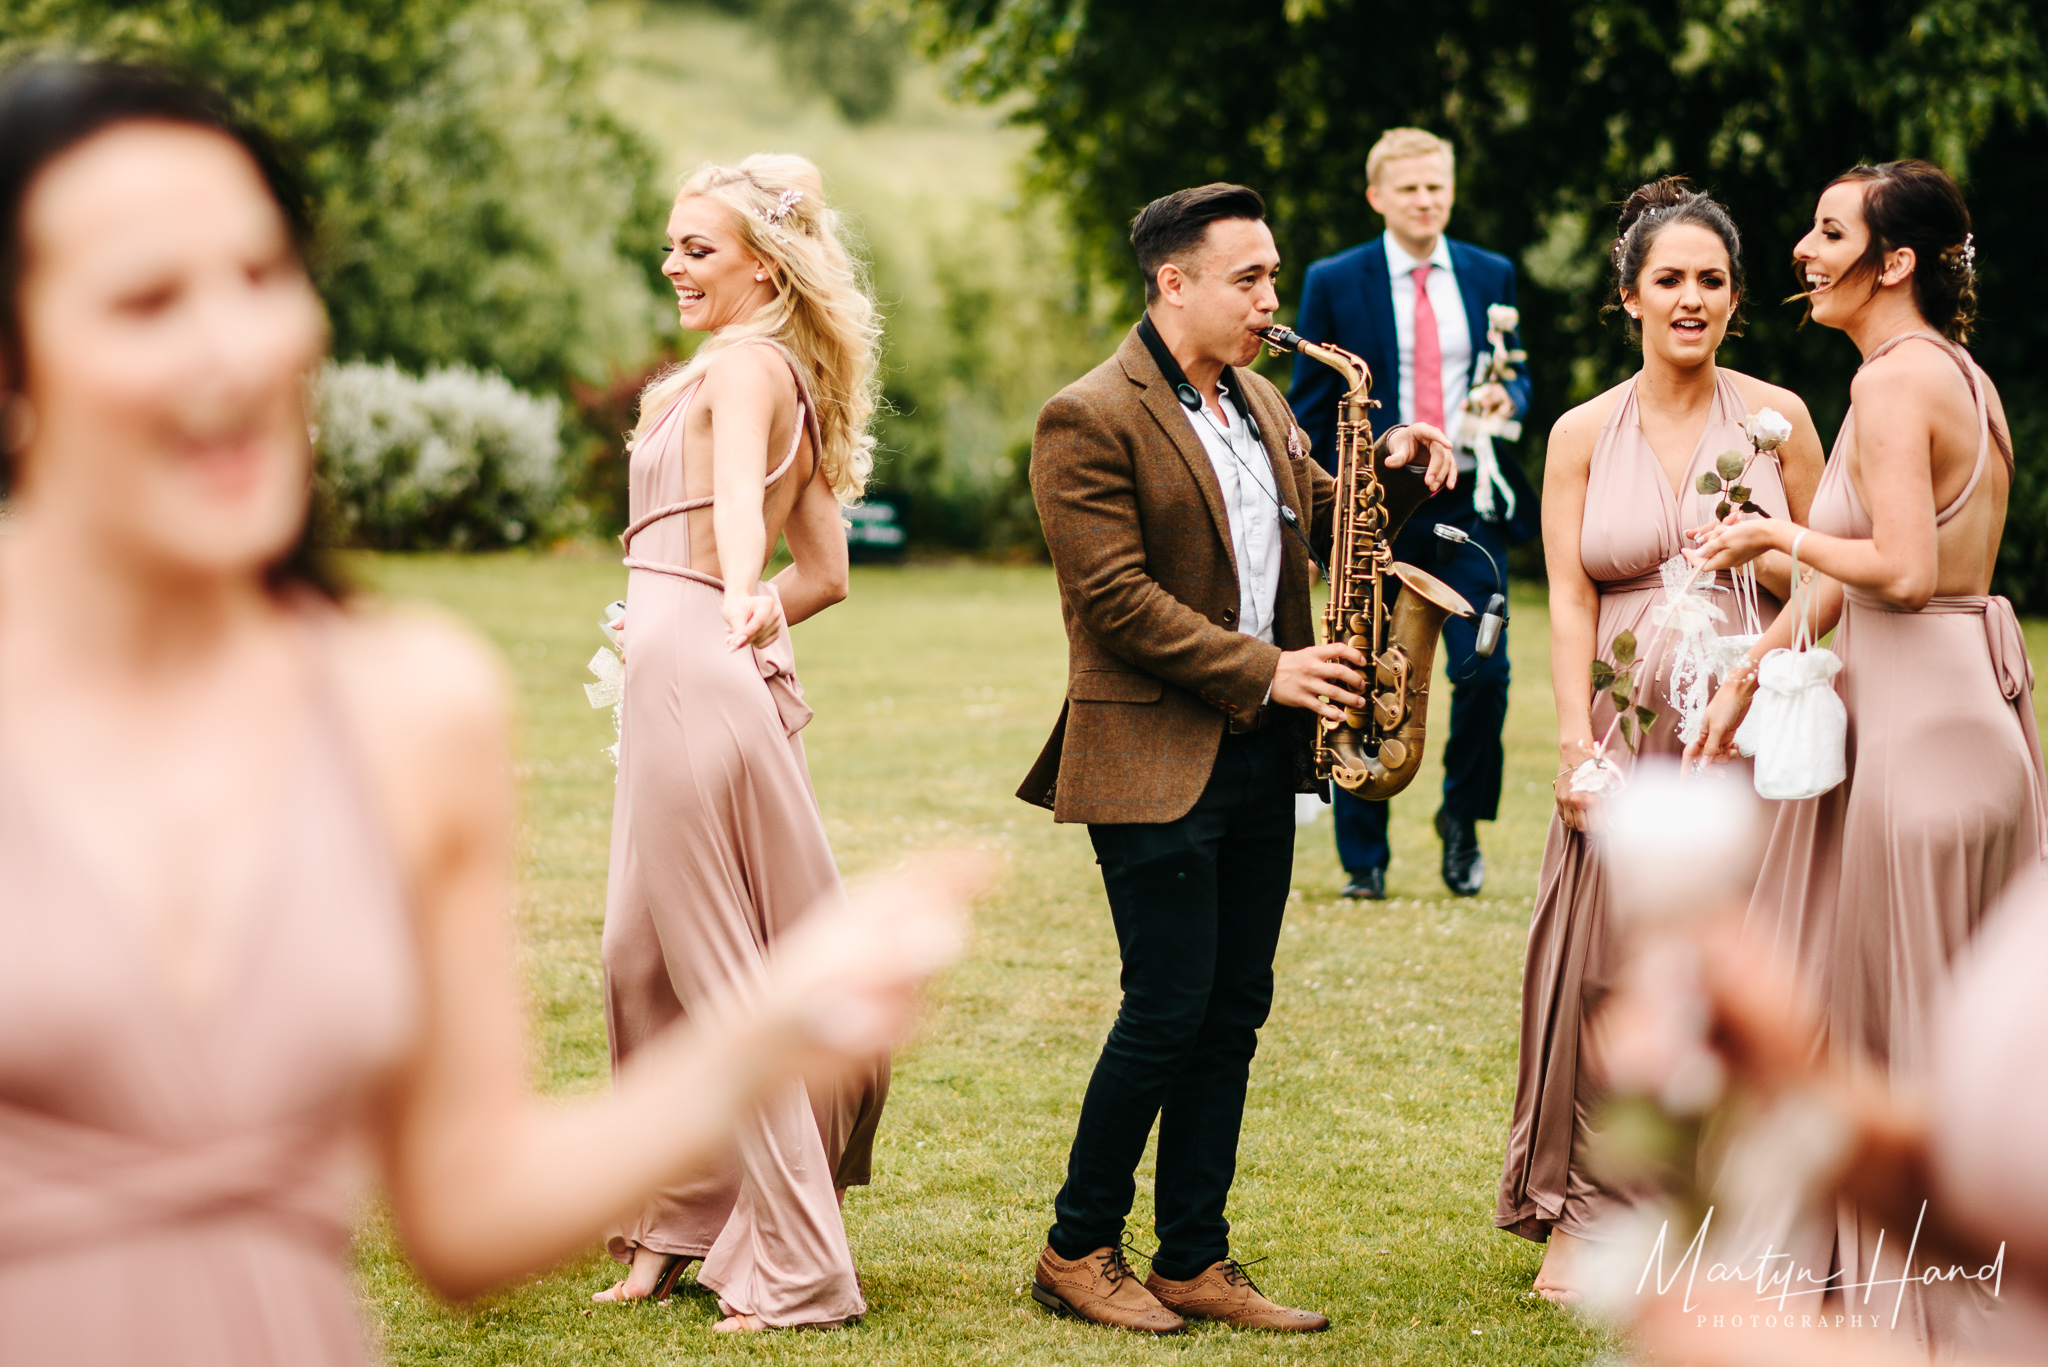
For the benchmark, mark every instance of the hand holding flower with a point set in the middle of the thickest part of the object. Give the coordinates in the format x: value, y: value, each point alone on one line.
x: 1736, y: 541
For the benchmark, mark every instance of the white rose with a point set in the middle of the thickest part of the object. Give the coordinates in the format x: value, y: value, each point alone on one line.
x: 1767, y: 429
x: 1502, y: 318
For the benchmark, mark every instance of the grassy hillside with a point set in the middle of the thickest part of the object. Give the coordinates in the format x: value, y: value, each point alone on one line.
x: 984, y: 319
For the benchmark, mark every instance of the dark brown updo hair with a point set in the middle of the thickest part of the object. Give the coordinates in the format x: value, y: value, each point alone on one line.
x: 1646, y: 214
x: 50, y: 105
x: 1916, y: 204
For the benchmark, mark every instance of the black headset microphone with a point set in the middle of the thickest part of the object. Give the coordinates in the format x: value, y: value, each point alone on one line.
x: 1494, y: 620
x: 1191, y: 399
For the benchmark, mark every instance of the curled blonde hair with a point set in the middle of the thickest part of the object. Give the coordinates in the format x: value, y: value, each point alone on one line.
x: 821, y: 311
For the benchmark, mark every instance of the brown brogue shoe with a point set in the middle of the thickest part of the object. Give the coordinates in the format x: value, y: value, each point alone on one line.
x: 1225, y: 1294
x: 1102, y: 1289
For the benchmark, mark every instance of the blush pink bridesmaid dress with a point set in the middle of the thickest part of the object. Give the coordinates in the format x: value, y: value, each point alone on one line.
x: 1878, y: 884
x: 178, y: 1184
x: 1633, y: 524
x: 717, y: 850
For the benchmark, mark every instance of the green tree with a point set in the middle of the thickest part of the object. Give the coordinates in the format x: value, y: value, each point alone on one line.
x: 1558, y: 109
x: 476, y: 204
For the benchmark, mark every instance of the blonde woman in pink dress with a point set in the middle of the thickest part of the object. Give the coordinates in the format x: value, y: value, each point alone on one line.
x: 1620, y: 486
x: 255, y: 836
x: 717, y: 844
x: 1945, y: 801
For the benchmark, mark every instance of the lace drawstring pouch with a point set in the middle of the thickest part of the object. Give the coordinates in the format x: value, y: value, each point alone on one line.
x: 1700, y: 656
x: 1797, y: 730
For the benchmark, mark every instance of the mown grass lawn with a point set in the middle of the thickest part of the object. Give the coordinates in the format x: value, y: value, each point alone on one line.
x: 1379, y: 1099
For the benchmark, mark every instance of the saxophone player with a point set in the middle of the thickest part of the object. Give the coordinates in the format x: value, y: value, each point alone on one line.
x: 1180, y: 504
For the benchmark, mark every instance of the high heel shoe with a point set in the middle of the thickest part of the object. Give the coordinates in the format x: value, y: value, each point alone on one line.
x: 664, y: 1285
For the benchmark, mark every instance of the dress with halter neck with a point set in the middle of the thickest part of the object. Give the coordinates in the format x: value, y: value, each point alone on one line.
x: 177, y: 1184
x: 717, y: 850
x: 1877, y: 885
x: 1633, y: 524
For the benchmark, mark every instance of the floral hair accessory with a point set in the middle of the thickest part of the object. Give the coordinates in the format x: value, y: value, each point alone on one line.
x: 1966, y: 255
x: 784, y: 207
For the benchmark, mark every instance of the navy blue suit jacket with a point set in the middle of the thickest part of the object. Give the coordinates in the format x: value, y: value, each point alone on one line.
x: 1347, y: 299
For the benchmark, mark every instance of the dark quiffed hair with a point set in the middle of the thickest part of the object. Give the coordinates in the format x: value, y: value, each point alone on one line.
x: 1917, y: 204
x: 1172, y: 224
x: 1646, y: 214
x: 48, y: 106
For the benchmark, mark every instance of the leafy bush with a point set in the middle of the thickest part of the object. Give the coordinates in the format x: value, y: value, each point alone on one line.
x: 452, y: 458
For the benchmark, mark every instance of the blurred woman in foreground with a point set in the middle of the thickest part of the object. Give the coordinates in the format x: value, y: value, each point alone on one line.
x: 254, y: 839
x: 1952, y: 1163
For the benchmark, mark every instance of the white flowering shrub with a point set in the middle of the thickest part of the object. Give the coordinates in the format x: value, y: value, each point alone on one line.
x: 456, y: 457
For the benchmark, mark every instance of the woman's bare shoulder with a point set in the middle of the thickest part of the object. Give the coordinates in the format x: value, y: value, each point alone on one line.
x: 749, y: 372
x: 419, y: 684
x: 1762, y: 394
x: 1573, y: 434
x: 1915, y: 371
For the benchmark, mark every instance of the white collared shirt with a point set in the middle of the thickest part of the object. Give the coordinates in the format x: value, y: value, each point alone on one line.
x: 1453, y: 334
x: 1251, y: 501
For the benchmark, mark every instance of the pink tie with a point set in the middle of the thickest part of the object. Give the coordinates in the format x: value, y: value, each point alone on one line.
x: 1429, y: 356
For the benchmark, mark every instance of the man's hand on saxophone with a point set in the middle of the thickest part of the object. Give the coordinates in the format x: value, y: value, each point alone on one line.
x: 1319, y: 678
x: 1443, y: 463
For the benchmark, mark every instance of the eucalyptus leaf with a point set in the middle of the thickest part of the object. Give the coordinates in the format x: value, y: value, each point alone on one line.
x: 1730, y: 464
x: 1603, y: 676
x: 1620, y: 697
x: 1721, y: 509
x: 1625, y: 648
x: 1710, y: 483
x: 1752, y: 508
x: 1738, y: 493
x: 1647, y: 716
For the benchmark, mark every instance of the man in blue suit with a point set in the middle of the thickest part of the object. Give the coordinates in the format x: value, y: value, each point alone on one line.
x: 1414, y: 304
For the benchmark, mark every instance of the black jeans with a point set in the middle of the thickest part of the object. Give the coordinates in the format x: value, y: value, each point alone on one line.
x: 1197, y: 904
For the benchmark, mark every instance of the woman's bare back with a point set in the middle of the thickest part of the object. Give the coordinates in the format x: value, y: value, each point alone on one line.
x: 1918, y: 393
x: 739, y: 385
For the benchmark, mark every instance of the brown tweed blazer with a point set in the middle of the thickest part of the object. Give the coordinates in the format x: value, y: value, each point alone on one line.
x: 1156, y: 667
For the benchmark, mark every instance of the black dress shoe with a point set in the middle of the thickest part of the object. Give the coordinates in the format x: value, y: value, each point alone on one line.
x: 1464, y: 865
x: 1367, y: 885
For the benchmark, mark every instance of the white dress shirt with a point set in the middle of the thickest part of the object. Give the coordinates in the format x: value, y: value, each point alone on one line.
x: 1252, y: 503
x: 1453, y: 334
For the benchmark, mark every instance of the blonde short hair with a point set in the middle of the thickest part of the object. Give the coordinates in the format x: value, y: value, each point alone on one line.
x: 1396, y: 143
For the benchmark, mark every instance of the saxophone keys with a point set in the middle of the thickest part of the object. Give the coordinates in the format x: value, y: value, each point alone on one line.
x: 1393, y: 752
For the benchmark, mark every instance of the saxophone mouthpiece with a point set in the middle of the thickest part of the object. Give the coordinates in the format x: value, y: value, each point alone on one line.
x: 1281, y: 338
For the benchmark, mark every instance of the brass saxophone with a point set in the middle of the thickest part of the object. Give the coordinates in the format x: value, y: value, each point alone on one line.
x: 1375, y: 752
